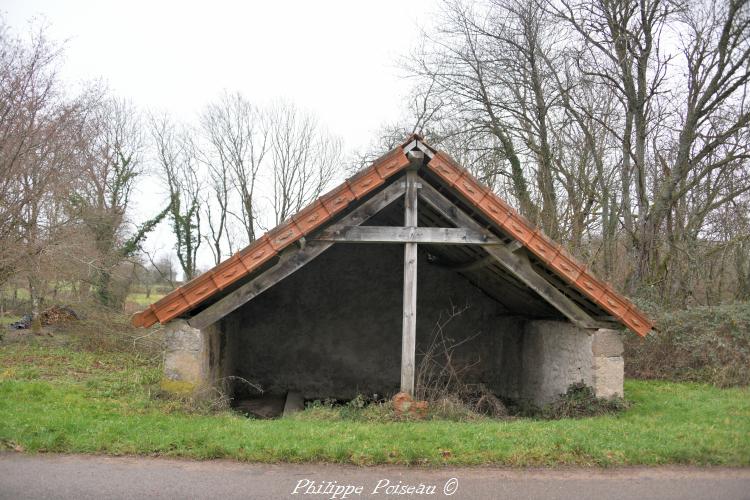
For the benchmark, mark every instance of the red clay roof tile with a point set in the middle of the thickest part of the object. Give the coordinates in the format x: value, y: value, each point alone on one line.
x: 545, y: 249
x: 319, y: 212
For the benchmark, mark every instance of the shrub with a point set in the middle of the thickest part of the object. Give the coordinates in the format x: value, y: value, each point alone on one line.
x: 100, y: 328
x: 578, y: 401
x: 702, y: 344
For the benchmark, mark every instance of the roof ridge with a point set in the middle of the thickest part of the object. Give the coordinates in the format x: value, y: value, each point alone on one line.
x: 362, y: 183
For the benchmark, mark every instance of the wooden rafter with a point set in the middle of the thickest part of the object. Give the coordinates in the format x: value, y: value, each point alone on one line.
x: 516, y: 263
x: 292, y: 260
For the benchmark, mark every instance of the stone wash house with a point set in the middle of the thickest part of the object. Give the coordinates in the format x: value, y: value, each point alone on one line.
x: 342, y: 298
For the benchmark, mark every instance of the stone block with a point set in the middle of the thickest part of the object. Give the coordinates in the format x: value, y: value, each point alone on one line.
x: 180, y: 336
x: 184, y: 366
x: 184, y: 357
x: 608, y: 376
x: 556, y: 355
x: 607, y: 343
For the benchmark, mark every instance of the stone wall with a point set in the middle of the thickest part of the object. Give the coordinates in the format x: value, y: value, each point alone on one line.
x: 557, y: 354
x: 193, y: 359
x: 608, y: 366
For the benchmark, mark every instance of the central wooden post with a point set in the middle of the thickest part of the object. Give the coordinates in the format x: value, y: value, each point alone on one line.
x: 409, y: 331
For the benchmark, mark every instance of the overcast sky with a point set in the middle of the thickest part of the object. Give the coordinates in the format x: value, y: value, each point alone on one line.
x: 337, y: 59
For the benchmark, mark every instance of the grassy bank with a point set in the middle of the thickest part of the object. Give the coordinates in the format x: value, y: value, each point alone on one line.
x: 64, y: 400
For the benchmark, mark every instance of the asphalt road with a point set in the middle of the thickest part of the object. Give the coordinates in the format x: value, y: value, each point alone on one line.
x: 94, y: 477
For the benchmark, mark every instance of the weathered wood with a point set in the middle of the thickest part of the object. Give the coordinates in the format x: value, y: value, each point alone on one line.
x: 515, y: 246
x: 471, y: 266
x: 287, y: 265
x: 414, y: 145
x: 416, y: 159
x: 391, y: 234
x: 517, y: 264
x: 372, y: 206
x: 292, y: 260
x: 409, y: 327
x: 425, y: 149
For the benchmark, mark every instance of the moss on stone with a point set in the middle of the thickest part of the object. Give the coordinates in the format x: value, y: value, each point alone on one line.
x: 179, y: 387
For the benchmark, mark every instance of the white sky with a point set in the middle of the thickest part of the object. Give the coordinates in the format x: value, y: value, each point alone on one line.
x: 336, y: 59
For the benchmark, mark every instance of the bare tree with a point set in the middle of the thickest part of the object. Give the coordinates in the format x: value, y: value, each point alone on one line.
x: 681, y: 134
x: 42, y: 135
x: 175, y: 150
x: 237, y: 136
x: 304, y: 159
x: 618, y: 126
x: 109, y: 170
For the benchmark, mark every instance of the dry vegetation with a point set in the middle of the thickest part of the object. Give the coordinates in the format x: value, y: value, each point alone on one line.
x: 702, y: 344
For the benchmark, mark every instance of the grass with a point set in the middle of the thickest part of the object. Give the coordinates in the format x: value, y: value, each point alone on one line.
x: 141, y: 299
x: 7, y: 319
x: 136, y: 296
x: 58, y: 399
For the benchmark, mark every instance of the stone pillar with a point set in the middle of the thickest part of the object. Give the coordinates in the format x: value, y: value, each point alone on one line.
x: 608, y: 366
x: 191, y: 357
x: 557, y: 354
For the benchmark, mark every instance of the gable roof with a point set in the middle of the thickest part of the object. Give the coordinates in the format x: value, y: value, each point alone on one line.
x: 475, y: 195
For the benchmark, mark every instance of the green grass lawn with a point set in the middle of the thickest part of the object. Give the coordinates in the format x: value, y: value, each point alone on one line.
x: 141, y: 299
x: 65, y: 400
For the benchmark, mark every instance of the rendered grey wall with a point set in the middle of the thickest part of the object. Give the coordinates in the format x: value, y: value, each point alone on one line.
x: 557, y: 354
x: 333, y: 329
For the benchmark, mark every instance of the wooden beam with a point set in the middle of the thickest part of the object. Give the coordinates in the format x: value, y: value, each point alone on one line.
x: 515, y: 246
x: 471, y: 266
x: 409, y: 326
x: 396, y: 234
x: 414, y: 145
x: 287, y: 265
x: 292, y: 260
x: 517, y: 264
x: 410, y: 146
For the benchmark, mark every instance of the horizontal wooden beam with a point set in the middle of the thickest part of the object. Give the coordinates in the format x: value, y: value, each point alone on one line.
x: 295, y: 258
x: 398, y: 234
x: 517, y: 264
x: 471, y: 266
x: 288, y: 264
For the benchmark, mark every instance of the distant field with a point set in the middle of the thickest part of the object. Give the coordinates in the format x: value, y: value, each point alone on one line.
x: 21, y: 293
x: 135, y: 297
x: 141, y: 299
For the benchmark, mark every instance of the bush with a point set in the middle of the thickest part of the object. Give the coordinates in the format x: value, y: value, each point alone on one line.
x: 579, y: 401
x: 104, y: 329
x: 702, y: 344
